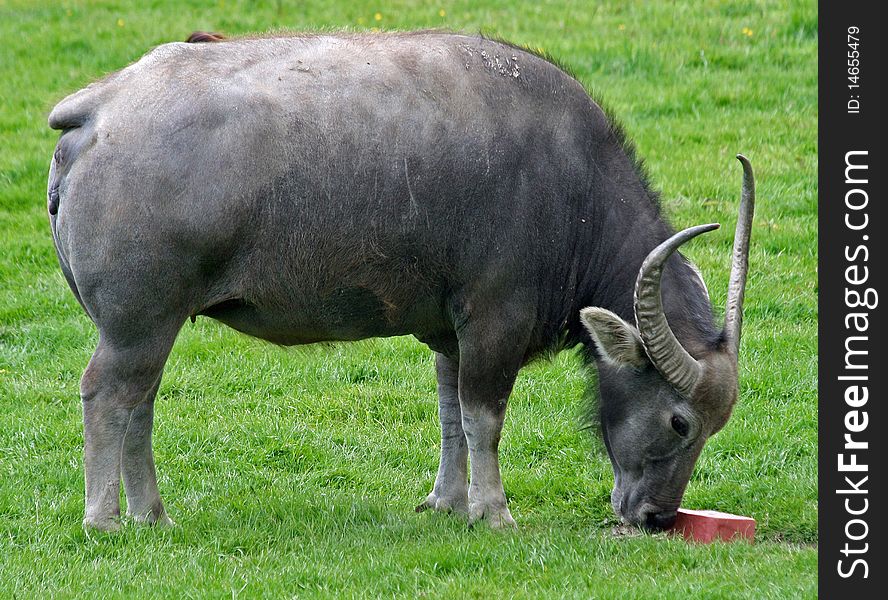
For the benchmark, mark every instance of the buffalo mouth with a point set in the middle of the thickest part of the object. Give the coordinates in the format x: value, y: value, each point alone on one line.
x: 645, y: 515
x: 659, y: 520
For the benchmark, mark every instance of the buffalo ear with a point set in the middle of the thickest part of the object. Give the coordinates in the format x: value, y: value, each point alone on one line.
x: 617, y: 341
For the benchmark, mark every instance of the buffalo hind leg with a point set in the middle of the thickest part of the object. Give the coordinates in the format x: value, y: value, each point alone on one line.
x: 143, y: 502
x: 117, y: 384
x: 451, y: 486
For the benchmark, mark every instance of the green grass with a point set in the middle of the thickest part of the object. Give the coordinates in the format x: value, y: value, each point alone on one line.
x: 294, y: 473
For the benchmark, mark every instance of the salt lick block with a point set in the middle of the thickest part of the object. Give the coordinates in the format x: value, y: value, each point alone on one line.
x: 710, y: 525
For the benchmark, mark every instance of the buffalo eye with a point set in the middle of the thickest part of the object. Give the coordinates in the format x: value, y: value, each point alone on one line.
x: 680, y: 426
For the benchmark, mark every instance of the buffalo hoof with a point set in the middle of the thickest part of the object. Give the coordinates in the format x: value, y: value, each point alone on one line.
x: 162, y: 522
x: 101, y: 524
x: 444, y: 504
x: 497, y: 516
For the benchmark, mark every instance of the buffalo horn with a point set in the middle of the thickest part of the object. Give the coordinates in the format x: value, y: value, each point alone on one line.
x: 667, y: 354
x: 740, y: 260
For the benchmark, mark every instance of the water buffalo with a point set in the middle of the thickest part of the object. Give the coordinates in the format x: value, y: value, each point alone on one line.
x: 340, y: 187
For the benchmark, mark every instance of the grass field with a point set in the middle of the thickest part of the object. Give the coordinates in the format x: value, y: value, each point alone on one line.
x: 295, y: 472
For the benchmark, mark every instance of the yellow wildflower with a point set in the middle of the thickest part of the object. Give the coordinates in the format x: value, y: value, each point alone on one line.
x: 378, y: 16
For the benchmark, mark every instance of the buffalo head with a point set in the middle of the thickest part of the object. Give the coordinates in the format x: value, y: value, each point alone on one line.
x: 659, y: 404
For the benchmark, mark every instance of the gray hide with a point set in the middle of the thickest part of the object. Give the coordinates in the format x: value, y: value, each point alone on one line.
x: 339, y: 187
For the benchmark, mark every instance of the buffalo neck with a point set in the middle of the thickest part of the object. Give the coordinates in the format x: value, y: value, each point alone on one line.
x: 626, y: 226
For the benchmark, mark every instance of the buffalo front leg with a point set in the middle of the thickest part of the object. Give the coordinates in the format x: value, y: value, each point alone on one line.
x: 451, y: 487
x: 487, y: 369
x: 116, y: 384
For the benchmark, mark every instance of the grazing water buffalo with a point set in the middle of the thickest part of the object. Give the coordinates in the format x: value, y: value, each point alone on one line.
x: 340, y: 187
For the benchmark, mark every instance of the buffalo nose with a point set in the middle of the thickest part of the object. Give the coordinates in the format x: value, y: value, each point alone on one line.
x: 660, y: 520
x: 624, y: 507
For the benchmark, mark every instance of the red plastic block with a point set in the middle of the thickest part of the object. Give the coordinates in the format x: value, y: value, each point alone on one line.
x: 710, y: 525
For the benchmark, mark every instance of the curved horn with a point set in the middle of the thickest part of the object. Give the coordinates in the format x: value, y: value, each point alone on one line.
x: 740, y: 260
x: 671, y: 359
